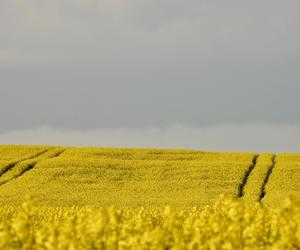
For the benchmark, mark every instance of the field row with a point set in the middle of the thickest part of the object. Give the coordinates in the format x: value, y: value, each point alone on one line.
x: 143, y: 177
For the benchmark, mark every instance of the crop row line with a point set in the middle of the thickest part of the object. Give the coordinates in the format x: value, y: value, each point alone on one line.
x: 267, y: 177
x: 254, y: 182
x: 21, y: 167
x: 241, y: 190
x: 14, y: 163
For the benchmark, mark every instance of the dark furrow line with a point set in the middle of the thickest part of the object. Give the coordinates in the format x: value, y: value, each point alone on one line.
x: 246, y: 176
x: 58, y: 154
x: 13, y: 164
x: 267, y: 177
x: 31, y: 166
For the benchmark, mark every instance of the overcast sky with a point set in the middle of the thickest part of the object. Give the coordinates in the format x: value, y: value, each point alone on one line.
x: 84, y: 66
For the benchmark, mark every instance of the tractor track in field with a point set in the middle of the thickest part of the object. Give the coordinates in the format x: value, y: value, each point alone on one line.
x: 245, y: 178
x: 267, y: 177
x: 13, y: 164
x: 29, y: 167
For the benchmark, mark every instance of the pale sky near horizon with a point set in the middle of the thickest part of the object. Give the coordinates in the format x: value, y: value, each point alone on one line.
x: 191, y: 69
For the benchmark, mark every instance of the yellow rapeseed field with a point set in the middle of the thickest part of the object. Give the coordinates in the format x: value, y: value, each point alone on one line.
x: 228, y: 224
x: 105, y: 198
x: 125, y: 177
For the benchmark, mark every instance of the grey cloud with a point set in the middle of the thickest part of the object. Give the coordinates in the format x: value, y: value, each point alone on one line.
x: 109, y: 64
x: 252, y: 137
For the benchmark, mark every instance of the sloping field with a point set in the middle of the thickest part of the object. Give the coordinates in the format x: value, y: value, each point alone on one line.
x: 284, y: 179
x: 75, y: 189
x: 60, y: 176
